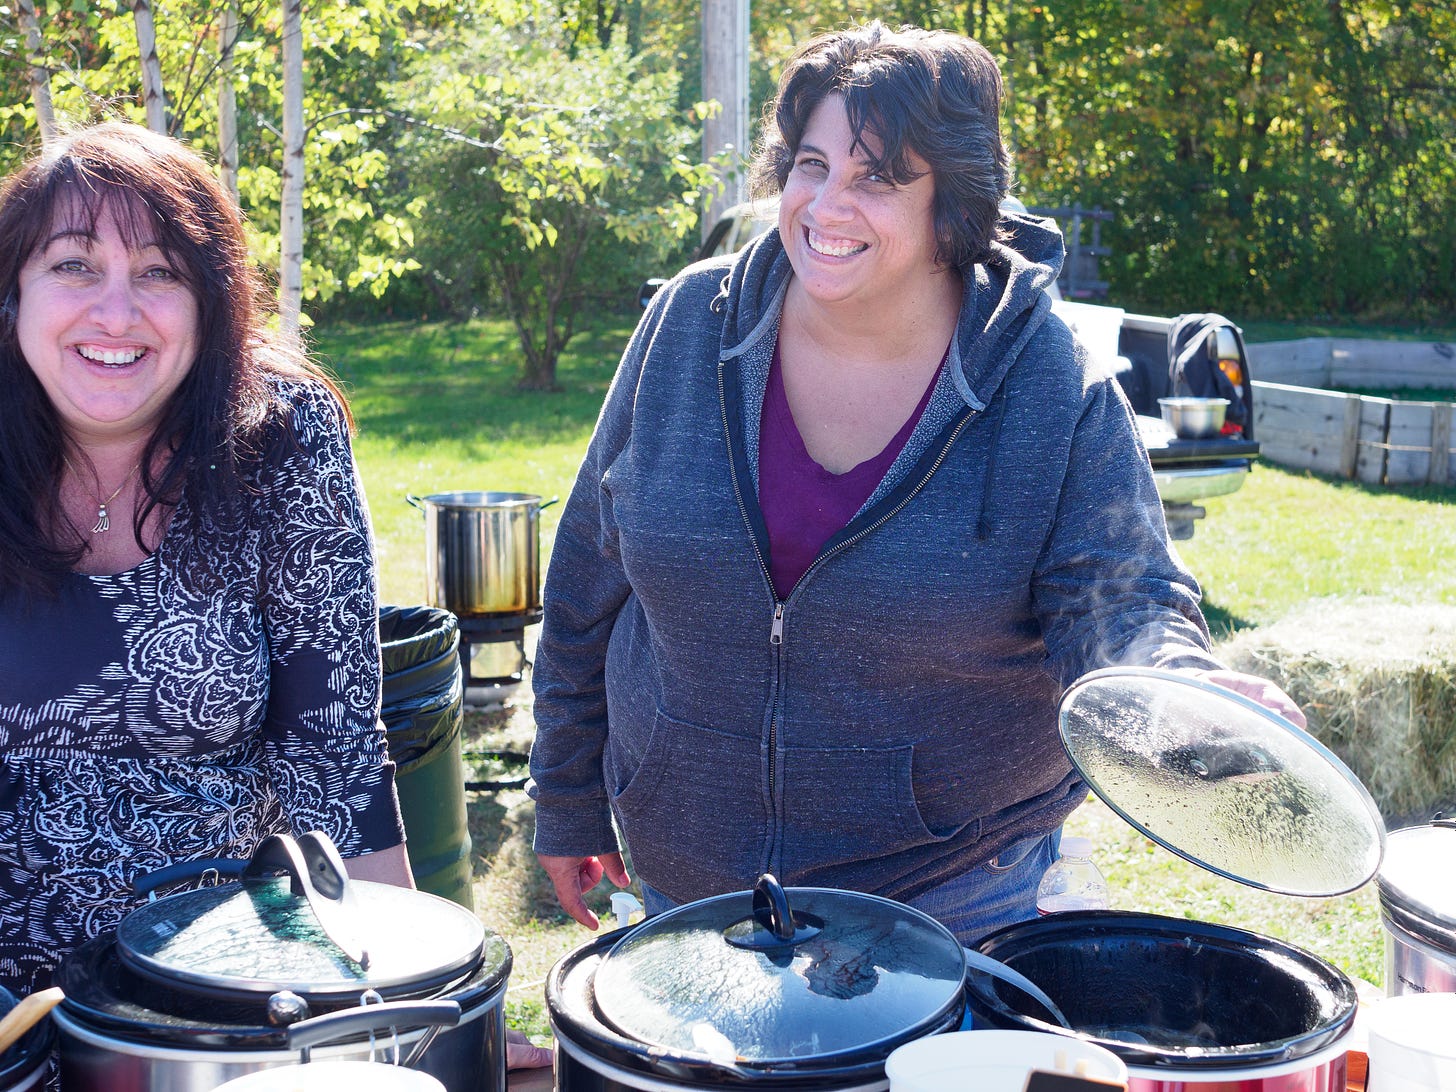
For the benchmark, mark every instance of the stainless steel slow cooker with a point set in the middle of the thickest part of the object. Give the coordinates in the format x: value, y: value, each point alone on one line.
x: 205, y: 985
x: 1417, y: 888
x: 781, y: 988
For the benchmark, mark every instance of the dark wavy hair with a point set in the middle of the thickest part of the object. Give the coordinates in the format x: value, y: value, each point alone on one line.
x: 932, y: 93
x: 224, y: 414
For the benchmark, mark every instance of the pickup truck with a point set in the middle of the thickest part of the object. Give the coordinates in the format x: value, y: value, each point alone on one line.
x: 1187, y: 471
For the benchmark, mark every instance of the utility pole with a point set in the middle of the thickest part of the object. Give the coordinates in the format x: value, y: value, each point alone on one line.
x: 725, y: 80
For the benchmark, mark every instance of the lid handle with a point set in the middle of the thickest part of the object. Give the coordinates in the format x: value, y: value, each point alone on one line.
x: 771, y: 908
x: 278, y: 853
x: 774, y: 923
x: 316, y: 873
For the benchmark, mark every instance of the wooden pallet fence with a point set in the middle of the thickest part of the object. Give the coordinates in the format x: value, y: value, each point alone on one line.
x: 1301, y: 424
x: 1373, y: 440
x: 1355, y: 362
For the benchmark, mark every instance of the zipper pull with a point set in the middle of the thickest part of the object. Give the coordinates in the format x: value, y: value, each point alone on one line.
x: 776, y: 634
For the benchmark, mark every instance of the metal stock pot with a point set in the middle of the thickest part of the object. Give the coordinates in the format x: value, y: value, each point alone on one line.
x: 482, y: 551
x: 206, y: 985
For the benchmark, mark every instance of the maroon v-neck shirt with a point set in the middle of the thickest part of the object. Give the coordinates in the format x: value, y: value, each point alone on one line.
x: 804, y: 505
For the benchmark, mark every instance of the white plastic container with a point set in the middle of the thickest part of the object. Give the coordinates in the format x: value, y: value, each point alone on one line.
x: 335, y: 1076
x: 995, y: 1061
x: 1411, y: 1042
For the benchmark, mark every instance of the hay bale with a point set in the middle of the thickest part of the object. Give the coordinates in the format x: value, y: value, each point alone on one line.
x: 1377, y: 681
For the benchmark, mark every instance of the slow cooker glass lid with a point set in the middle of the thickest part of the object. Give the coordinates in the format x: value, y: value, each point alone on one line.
x: 867, y: 973
x: 259, y: 937
x: 1222, y: 781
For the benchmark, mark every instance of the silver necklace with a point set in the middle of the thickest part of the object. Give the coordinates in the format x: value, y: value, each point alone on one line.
x: 103, y: 521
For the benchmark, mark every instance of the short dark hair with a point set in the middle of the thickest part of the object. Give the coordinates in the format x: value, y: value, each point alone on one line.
x: 932, y: 93
x: 223, y: 414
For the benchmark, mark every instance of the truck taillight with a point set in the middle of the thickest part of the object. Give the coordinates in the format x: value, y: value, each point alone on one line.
x: 1230, y: 367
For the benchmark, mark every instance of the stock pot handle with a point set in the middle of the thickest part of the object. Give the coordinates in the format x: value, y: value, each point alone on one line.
x: 413, y: 501
x: 182, y: 871
x: 315, y: 1031
x: 277, y: 851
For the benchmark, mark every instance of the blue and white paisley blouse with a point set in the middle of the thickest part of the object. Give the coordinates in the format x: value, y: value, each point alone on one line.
x: 225, y: 688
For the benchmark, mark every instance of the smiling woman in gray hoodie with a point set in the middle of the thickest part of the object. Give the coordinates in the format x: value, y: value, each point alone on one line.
x: 857, y: 509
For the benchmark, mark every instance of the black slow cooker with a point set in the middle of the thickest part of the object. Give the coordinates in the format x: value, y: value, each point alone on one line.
x: 1167, y: 992
x: 784, y: 988
x: 198, y: 987
x: 1234, y: 788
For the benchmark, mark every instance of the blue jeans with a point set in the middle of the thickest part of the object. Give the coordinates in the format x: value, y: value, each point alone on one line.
x: 1000, y: 892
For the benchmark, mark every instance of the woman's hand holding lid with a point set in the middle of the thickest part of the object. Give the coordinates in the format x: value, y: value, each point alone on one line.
x: 1260, y: 690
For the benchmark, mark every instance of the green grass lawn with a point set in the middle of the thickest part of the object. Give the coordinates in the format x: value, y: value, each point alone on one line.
x: 438, y: 411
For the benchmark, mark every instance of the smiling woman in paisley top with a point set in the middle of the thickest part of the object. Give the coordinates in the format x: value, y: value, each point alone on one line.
x: 189, y: 652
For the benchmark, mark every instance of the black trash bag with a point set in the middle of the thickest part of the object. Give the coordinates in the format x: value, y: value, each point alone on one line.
x: 423, y: 691
x: 1194, y: 370
x: 423, y: 714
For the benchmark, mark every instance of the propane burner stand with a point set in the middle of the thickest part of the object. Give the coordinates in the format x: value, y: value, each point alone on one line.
x: 493, y: 649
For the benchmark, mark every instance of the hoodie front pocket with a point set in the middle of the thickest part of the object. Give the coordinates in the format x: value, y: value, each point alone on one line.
x: 850, y: 804
x: 691, y: 808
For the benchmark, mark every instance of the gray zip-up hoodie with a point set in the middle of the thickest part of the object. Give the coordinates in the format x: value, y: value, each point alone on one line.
x: 891, y: 721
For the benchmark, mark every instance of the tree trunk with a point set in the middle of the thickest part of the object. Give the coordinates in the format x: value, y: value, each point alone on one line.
x: 290, y: 271
x: 40, y: 77
x: 153, y: 98
x: 227, y: 101
x: 725, y: 80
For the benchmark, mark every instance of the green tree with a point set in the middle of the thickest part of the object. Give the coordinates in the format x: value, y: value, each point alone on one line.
x: 1265, y: 158
x: 357, y: 226
x: 545, y: 171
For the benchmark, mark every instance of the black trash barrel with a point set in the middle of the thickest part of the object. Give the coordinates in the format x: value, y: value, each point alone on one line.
x: 423, y: 713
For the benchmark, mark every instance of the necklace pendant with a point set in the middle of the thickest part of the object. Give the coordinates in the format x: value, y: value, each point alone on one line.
x: 103, y: 521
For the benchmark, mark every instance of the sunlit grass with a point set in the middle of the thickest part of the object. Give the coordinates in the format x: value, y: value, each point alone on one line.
x: 1289, y: 536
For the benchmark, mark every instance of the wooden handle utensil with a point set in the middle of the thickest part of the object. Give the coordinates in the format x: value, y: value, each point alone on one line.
x: 27, y: 1012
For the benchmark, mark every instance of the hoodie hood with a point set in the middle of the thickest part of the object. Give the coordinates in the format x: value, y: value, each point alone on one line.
x: 1003, y: 302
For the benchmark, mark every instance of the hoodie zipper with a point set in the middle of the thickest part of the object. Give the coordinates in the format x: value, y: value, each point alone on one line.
x: 776, y: 624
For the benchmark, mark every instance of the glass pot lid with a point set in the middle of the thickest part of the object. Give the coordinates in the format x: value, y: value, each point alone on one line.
x: 1222, y: 781
x: 780, y: 975
x: 265, y: 933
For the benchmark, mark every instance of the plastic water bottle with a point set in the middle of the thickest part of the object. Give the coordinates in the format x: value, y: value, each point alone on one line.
x: 1072, y: 882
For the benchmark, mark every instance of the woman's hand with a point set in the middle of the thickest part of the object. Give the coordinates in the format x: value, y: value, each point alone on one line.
x: 1260, y: 690
x: 573, y: 877
x: 521, y: 1054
